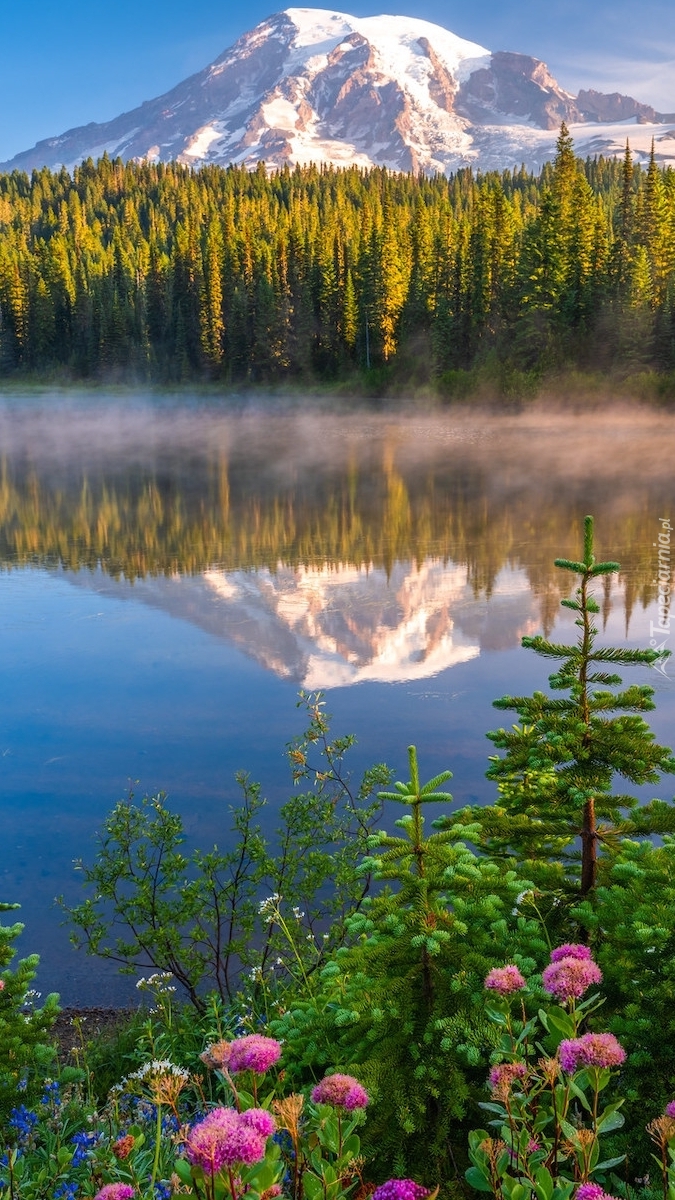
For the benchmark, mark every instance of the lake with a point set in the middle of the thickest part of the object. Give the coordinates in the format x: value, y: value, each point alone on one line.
x: 173, y: 574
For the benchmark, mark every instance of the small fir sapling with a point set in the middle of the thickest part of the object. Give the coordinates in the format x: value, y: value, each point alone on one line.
x: 558, y: 813
x: 401, y: 1004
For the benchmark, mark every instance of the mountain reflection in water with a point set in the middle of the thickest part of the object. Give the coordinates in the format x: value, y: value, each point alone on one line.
x: 335, y: 626
x: 172, y: 575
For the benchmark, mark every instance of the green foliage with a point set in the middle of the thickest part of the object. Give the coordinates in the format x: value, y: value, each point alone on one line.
x: 25, y: 1053
x: 158, y: 272
x: 387, y: 981
x: 199, y: 916
x: 401, y: 1004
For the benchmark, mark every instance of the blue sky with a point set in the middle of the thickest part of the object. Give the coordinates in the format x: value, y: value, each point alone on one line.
x: 64, y: 64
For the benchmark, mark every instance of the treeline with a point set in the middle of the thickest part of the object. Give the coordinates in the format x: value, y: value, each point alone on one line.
x: 161, y: 272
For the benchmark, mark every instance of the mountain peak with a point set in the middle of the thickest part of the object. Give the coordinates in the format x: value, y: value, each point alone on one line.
x: 315, y: 85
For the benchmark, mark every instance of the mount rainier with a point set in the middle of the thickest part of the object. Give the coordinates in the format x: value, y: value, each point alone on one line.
x: 311, y: 85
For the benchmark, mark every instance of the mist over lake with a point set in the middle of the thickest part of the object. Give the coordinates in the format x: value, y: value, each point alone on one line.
x: 173, y: 575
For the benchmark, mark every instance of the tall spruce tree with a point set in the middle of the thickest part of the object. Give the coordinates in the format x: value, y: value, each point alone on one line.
x: 558, y: 808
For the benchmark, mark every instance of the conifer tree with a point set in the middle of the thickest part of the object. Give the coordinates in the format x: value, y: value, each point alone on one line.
x: 23, y: 1030
x: 402, y: 1005
x: 556, y: 779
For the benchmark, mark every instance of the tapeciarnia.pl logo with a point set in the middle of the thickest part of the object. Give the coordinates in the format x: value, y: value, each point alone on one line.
x: 662, y: 626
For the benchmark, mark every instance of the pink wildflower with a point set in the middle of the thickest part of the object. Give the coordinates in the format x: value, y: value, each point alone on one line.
x: 504, y: 1074
x: 531, y: 1148
x: 670, y: 1109
x: 504, y: 980
x: 260, y: 1120
x: 568, y: 978
x: 115, y: 1191
x: 224, y: 1139
x: 591, y: 1050
x: 253, y: 1053
x: 2, y: 985
x: 571, y: 950
x: 341, y: 1091
x: 590, y: 1191
x: 400, y: 1189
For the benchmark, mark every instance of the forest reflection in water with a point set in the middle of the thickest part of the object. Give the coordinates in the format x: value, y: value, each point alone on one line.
x: 151, y: 551
x: 142, y: 493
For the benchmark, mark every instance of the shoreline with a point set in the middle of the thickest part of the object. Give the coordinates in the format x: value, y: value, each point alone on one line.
x: 498, y: 389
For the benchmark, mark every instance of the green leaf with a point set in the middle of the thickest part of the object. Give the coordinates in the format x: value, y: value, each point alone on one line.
x: 610, y: 1121
x: 183, y: 1170
x: 543, y: 1184
x: 478, y: 1179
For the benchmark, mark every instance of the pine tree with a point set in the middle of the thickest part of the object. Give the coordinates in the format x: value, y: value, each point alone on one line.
x: 557, y: 775
x: 402, y: 1006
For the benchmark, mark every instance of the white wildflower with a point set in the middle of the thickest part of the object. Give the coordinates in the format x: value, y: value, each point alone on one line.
x: 267, y: 908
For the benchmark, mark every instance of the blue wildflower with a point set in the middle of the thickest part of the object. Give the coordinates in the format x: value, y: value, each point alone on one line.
x: 170, y: 1124
x: 23, y: 1121
x: 84, y: 1144
x: 145, y: 1111
x: 163, y: 1190
x: 66, y: 1191
x: 51, y: 1096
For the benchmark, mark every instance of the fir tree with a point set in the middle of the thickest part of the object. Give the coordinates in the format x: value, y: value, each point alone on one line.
x: 556, y: 778
x: 402, y: 1006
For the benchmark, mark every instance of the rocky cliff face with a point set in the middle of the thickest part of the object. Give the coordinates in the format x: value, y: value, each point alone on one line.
x: 311, y: 85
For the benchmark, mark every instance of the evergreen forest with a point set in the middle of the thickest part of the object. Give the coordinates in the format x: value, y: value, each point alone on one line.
x: 158, y: 272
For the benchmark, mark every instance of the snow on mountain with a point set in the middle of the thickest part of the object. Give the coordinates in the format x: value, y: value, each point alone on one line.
x: 313, y: 85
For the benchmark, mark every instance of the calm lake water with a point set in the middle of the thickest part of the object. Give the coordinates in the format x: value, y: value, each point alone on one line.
x: 171, y: 576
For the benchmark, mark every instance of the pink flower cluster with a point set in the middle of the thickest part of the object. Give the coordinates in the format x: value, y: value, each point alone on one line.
x: 115, y: 1191
x: 670, y: 1109
x: 592, y: 1191
x: 341, y: 1091
x: 570, y: 972
x: 506, y: 1073
x: 226, y: 1138
x: 253, y: 1053
x: 400, y: 1189
x: 591, y: 1050
x: 504, y: 980
x: 572, y: 950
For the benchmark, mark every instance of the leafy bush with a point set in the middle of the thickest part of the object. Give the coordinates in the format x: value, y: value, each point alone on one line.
x: 198, y: 915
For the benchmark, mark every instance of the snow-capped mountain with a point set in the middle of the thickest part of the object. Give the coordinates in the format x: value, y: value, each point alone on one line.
x: 312, y: 85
